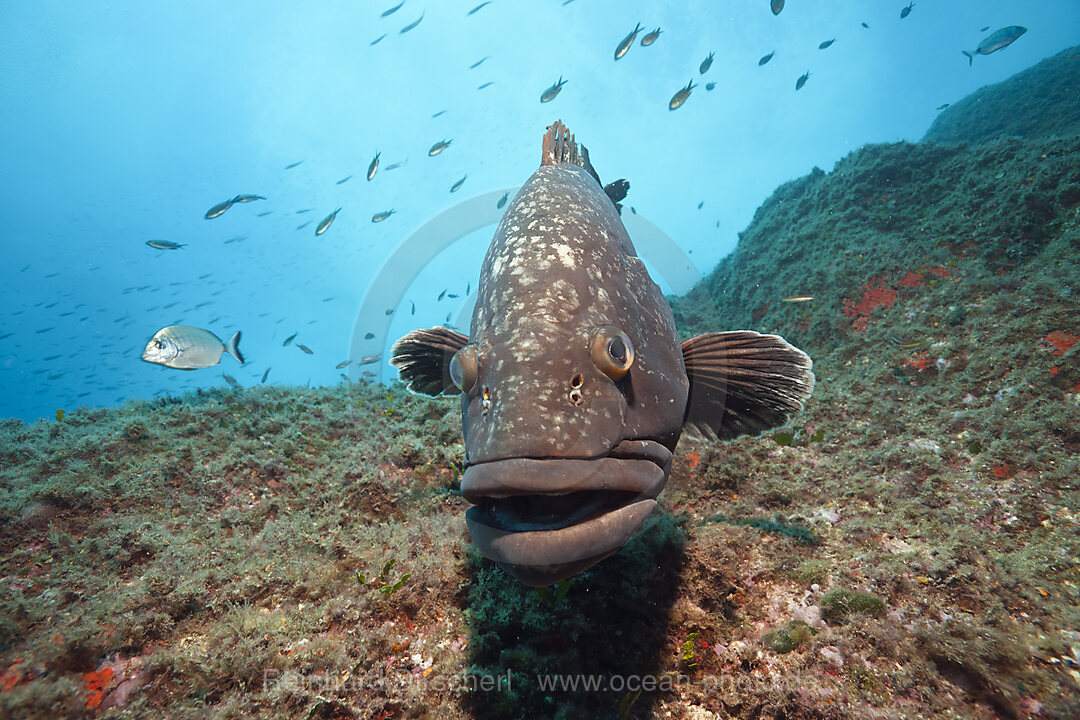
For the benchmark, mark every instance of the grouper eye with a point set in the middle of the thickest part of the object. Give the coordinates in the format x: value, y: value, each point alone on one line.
x: 463, y: 368
x: 612, y: 351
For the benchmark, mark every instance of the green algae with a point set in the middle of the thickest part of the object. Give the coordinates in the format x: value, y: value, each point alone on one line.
x: 838, y: 603
x: 792, y: 636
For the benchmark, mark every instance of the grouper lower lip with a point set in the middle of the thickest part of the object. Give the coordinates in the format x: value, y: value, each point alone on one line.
x: 541, y: 557
x: 540, y: 518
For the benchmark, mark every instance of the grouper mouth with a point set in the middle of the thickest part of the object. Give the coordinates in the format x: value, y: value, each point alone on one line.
x: 544, y: 519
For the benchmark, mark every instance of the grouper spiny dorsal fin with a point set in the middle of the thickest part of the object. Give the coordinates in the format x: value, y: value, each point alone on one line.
x: 423, y: 359
x: 743, y: 383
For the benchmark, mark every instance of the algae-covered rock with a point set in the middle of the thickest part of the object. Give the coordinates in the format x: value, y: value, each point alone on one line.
x: 838, y: 603
x: 790, y: 637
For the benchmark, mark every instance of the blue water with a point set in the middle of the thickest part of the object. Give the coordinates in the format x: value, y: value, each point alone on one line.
x: 125, y: 122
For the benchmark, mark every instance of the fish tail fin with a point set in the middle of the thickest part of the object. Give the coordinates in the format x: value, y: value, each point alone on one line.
x: 970, y: 56
x: 559, y: 146
x: 233, y: 347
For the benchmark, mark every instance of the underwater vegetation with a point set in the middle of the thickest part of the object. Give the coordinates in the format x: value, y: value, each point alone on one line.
x: 281, y: 552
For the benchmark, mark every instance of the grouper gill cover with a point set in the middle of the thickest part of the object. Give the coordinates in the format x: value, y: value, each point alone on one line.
x: 575, y: 388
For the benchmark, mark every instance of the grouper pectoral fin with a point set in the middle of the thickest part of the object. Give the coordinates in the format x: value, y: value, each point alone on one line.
x: 743, y: 383
x: 423, y: 359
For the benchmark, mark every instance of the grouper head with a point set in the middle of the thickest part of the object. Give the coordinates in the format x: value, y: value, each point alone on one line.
x: 574, y: 385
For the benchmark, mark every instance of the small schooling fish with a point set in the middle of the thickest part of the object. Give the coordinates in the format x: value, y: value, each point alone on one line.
x: 624, y: 45
x: 164, y: 244
x: 680, y: 97
x: 324, y: 224
x: 549, y: 94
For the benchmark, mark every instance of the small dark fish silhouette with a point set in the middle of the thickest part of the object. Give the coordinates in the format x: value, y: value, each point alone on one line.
x: 457, y: 186
x: 231, y: 380
x: 376, y: 40
x: 289, y: 339
x: 305, y: 348
x: 391, y: 11
x: 301, y: 226
x: 324, y: 224
x: 342, y: 365
x: 373, y: 166
x: 247, y: 198
x: 942, y: 106
x: 549, y: 94
x: 477, y: 64
x: 439, y: 147
x: 502, y: 201
x: 802, y: 80
x: 680, y: 97
x: 304, y: 210
x: 624, y: 45
x: 290, y: 167
x: 826, y: 44
x: 441, y: 295
x: 411, y: 25
x: 984, y: 29
x: 489, y: 83
x: 866, y: 26
x: 219, y: 209
x: 777, y: 6
x: 264, y: 214
x: 701, y: 205
x: 906, y: 11
x: 343, y: 180
x: 705, y: 64
x: 164, y: 245
x: 265, y: 375
x: 438, y: 113
x: 710, y: 86
x: 766, y: 58
x: 380, y: 216
x: 477, y: 8
x: 412, y: 308
x: 650, y: 38
x: 369, y: 336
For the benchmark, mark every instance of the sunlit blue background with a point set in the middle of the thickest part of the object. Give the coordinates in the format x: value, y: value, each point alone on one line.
x: 124, y: 122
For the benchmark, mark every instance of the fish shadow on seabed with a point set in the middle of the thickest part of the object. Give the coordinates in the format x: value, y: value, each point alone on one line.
x: 586, y: 654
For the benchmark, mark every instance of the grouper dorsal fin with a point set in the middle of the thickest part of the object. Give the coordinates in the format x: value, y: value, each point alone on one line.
x: 743, y: 383
x: 559, y: 147
x: 423, y: 359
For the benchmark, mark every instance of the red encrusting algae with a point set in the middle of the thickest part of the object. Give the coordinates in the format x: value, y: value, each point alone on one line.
x: 1062, y: 341
x: 875, y: 294
x: 95, y: 683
